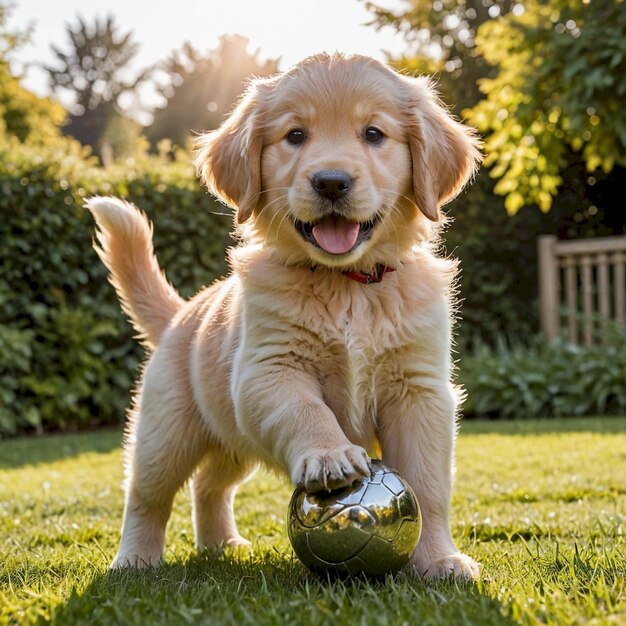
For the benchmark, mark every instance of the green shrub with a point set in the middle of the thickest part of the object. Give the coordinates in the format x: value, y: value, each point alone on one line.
x: 67, y: 357
x: 541, y: 379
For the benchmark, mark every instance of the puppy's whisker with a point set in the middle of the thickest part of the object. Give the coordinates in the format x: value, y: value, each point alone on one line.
x: 258, y: 193
x: 394, y: 208
x: 396, y: 211
x: 277, y: 230
x: 276, y: 213
x: 390, y: 207
x: 384, y: 223
x: 286, y: 215
x: 268, y: 232
x: 280, y: 224
x: 395, y: 195
x: 269, y: 204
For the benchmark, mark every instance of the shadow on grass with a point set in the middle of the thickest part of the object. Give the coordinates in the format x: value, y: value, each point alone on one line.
x: 271, y: 589
x: 49, y: 448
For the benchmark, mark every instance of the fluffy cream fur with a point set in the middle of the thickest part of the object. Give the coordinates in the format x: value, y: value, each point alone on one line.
x: 302, y: 370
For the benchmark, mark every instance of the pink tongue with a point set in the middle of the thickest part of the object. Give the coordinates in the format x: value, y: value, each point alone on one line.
x: 335, y: 235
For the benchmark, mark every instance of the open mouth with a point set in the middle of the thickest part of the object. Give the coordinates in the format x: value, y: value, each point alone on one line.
x: 335, y: 234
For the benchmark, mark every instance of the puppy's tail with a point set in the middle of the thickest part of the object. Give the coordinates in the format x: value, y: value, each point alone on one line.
x: 125, y: 238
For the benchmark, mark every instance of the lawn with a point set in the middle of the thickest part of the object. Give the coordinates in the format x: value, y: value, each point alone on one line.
x: 541, y: 504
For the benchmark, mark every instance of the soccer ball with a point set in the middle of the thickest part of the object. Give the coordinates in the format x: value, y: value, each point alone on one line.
x: 371, y: 527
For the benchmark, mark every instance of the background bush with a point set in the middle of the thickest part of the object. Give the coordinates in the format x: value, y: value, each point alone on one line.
x: 67, y: 357
x: 541, y: 379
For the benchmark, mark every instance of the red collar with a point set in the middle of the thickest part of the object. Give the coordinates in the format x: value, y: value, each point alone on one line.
x: 366, y: 279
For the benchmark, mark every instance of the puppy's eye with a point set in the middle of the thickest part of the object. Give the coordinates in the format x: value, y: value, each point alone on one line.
x: 296, y: 136
x: 373, y: 135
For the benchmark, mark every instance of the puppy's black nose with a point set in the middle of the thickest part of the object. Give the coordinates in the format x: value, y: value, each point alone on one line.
x: 331, y: 184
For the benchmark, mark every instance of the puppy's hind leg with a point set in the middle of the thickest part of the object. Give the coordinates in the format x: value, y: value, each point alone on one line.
x: 165, y: 443
x: 213, y: 488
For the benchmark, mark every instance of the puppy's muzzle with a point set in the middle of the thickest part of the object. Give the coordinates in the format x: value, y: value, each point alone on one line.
x: 331, y: 184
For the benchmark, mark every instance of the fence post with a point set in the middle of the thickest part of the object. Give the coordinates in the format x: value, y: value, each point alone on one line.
x: 548, y: 286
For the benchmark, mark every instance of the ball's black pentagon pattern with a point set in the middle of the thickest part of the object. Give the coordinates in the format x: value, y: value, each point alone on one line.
x: 371, y: 527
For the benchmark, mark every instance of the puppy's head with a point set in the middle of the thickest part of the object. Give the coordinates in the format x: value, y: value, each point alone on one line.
x: 339, y: 161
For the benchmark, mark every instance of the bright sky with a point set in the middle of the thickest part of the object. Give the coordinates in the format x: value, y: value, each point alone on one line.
x: 290, y: 29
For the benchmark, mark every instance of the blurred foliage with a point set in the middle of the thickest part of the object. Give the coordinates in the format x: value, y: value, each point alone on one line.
x: 553, y: 95
x: 498, y: 281
x: 201, y: 89
x: 441, y: 40
x: 541, y: 379
x: 93, y: 71
x: 67, y: 357
x: 93, y: 68
x: 121, y: 138
x: 555, y: 87
x: 23, y: 115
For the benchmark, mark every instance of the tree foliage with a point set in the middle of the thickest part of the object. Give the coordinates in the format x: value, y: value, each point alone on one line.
x: 201, y: 89
x: 93, y: 71
x: 441, y: 36
x: 560, y: 86
x: 94, y: 65
x: 533, y: 76
x: 23, y: 115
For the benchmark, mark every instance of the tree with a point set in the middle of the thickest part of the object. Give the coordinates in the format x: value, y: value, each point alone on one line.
x: 23, y: 115
x: 92, y: 71
x: 201, y: 89
x: 560, y: 87
x: 442, y: 38
x: 552, y: 93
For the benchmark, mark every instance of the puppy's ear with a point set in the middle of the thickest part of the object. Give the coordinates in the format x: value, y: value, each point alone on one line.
x: 228, y: 159
x: 445, y: 153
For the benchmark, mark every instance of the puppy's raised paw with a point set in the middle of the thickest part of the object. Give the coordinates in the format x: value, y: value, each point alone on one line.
x: 331, y: 469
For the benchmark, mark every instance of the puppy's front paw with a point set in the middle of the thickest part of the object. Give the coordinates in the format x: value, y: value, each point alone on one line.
x: 458, y: 565
x: 331, y: 469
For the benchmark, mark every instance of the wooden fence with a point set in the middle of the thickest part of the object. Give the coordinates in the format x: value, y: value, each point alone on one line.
x: 581, y: 284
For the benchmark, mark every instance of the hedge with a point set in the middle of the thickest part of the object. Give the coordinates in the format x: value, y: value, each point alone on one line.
x: 540, y: 379
x: 67, y: 357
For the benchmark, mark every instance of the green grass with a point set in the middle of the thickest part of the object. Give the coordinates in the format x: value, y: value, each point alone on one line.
x: 541, y: 504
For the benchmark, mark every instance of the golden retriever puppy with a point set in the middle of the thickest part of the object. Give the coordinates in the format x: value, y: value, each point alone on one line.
x: 331, y: 336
